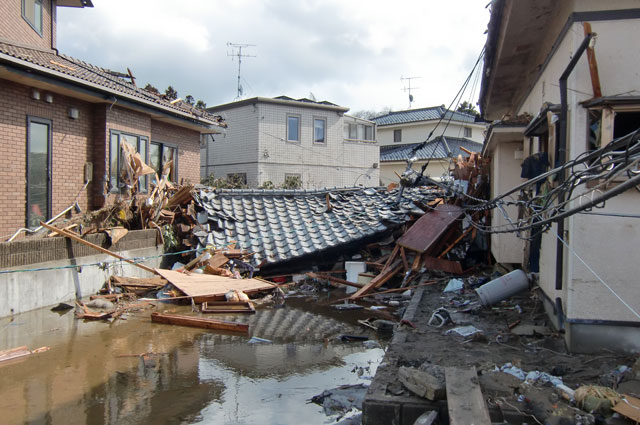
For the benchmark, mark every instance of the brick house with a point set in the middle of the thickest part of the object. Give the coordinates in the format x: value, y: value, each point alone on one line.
x: 63, y: 121
x: 270, y: 139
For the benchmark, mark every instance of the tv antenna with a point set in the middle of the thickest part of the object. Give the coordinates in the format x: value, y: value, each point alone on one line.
x: 408, y: 87
x: 237, y: 51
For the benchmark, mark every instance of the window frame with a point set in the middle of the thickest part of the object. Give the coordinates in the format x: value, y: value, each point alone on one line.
x: 398, y: 132
x: 299, y: 118
x: 175, y: 157
x: 49, y: 123
x: 33, y: 25
x: 323, y: 120
x: 368, y: 126
x: 143, y: 183
x: 468, y: 130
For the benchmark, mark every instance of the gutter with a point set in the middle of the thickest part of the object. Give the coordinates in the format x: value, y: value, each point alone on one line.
x: 562, y: 151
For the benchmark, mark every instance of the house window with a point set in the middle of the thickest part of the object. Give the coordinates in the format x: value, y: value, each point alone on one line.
x: 116, y: 158
x: 293, y: 128
x: 32, y: 13
x: 353, y: 131
x: 368, y: 132
x: 163, y: 157
x: 319, y: 130
x: 397, y: 136
x: 38, y: 171
x: 468, y: 131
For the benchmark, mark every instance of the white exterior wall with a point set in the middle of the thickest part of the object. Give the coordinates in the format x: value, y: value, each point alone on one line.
x: 505, y: 172
x: 606, y: 244
x: 256, y: 143
x: 418, y: 132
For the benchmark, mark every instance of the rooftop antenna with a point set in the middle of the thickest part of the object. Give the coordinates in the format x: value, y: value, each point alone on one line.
x: 408, y: 87
x: 237, y: 51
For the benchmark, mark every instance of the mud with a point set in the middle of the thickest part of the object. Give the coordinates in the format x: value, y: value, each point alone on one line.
x: 133, y: 372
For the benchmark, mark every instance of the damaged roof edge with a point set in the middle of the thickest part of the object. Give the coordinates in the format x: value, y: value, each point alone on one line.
x: 25, y: 68
x: 497, y: 8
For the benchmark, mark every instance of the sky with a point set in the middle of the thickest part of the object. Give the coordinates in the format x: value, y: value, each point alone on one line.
x: 349, y: 52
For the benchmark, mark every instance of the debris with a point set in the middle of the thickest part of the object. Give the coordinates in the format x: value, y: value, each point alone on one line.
x: 503, y: 287
x: 440, y: 317
x: 465, y: 401
x: 227, y: 307
x: 100, y: 304
x: 427, y: 418
x: 596, y: 399
x: 18, y: 352
x: 351, y: 338
x: 342, y: 399
x: 198, y: 322
x: 530, y: 330
x: 465, y: 331
x: 348, y: 306
x: 256, y: 340
x: 629, y: 407
x: 454, y: 285
x: 422, y: 384
x: 62, y: 307
x: 378, y: 324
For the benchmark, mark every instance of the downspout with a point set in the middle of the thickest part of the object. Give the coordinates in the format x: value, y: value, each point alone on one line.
x: 562, y: 152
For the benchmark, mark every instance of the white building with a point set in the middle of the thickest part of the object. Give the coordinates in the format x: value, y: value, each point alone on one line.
x: 271, y: 139
x: 587, y: 275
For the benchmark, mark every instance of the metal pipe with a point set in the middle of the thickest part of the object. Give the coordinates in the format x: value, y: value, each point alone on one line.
x: 51, y: 220
x: 562, y: 149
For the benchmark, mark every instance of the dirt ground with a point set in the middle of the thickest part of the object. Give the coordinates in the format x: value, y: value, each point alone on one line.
x: 497, y: 346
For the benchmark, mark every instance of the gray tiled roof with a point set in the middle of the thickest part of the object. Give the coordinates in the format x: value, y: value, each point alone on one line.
x: 81, y: 72
x: 435, y: 149
x: 422, y: 114
x: 283, y: 225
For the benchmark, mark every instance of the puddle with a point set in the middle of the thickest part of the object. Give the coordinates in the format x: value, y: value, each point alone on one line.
x: 92, y: 374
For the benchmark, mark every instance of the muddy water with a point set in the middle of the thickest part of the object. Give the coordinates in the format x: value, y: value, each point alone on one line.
x: 93, y: 373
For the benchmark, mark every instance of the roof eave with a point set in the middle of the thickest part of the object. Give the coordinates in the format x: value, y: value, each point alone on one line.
x: 269, y: 100
x: 98, y: 88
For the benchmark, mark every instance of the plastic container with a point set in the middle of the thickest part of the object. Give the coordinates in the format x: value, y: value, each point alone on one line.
x: 503, y: 287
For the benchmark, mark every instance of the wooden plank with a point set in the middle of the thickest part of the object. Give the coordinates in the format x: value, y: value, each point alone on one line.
x: 207, y: 285
x: 593, y: 64
x: 213, y: 307
x: 198, y: 322
x: 629, y: 407
x: 465, y: 401
x: 138, y: 281
x: 333, y: 279
x: 405, y: 264
x: 379, y: 280
x: 96, y: 247
x: 14, y: 353
x: 433, y: 263
x: 218, y: 260
x: 392, y: 257
x: 454, y: 243
x: 429, y: 228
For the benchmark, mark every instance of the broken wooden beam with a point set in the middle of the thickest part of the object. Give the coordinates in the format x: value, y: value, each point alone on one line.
x: 213, y: 307
x: 198, y: 322
x: 465, y: 401
x: 333, y: 279
x: 440, y: 264
x: 379, y: 280
x: 94, y: 246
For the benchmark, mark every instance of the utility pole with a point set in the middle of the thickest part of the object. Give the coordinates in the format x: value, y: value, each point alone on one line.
x: 237, y: 51
x: 408, y: 88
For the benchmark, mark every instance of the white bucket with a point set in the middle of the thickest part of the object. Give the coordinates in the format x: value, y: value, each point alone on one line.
x: 503, y: 287
x: 354, y: 268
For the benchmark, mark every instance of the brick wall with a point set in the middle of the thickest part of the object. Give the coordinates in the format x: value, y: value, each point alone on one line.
x: 14, y: 27
x: 71, y: 148
x: 188, y: 142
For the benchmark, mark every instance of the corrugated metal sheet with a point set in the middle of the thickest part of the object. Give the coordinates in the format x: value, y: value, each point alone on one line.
x: 283, y: 225
x: 423, y: 114
x: 436, y: 149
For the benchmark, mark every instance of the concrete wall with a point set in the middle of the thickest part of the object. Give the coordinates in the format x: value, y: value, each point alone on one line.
x: 418, y: 132
x: 30, y: 290
x: 505, y: 174
x: 256, y: 144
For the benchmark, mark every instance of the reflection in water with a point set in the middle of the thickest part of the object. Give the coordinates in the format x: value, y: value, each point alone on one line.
x: 93, y: 373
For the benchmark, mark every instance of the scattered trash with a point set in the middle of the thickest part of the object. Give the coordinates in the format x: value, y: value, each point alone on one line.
x: 454, y: 285
x: 503, y: 287
x: 62, y: 307
x: 348, y: 306
x: 378, y: 324
x: 342, y: 399
x: 256, y: 340
x: 464, y: 331
x: 439, y: 318
x: 351, y: 338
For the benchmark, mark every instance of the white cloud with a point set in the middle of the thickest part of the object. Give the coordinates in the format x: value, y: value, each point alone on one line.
x: 348, y: 52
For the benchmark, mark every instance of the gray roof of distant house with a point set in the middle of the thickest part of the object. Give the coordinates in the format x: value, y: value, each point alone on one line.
x: 440, y: 147
x: 423, y: 114
x: 282, y: 225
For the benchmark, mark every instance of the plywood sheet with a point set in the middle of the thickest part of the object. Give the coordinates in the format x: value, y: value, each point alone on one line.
x: 206, y: 285
x: 429, y: 228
